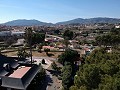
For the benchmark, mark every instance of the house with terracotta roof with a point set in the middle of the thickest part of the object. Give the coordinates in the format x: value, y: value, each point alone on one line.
x: 15, y: 76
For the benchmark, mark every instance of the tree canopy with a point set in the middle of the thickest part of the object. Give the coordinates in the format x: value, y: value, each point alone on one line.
x: 100, y: 71
x: 68, y: 59
x: 33, y: 37
x: 67, y: 76
x: 68, y: 34
x: 110, y: 39
x: 68, y: 56
x: 22, y: 54
x: 38, y: 38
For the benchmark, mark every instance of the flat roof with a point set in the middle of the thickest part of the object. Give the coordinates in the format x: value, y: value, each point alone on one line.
x: 20, y: 72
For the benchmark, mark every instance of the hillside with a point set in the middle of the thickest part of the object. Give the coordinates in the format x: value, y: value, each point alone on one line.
x: 24, y: 22
x: 91, y: 21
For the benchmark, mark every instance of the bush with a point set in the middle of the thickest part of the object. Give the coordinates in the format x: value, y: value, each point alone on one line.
x: 54, y: 66
x: 47, y: 50
x: 43, y: 61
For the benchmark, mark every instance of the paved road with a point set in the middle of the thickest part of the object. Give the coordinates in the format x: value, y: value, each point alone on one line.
x: 48, y: 58
x: 55, y: 36
x: 52, y: 81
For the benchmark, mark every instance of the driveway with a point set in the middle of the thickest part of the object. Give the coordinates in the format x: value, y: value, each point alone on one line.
x: 51, y: 82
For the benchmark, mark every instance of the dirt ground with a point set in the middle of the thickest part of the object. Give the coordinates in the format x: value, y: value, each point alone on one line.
x: 36, y: 54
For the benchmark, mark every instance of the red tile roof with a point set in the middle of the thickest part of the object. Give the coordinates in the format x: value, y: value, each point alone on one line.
x: 20, y: 72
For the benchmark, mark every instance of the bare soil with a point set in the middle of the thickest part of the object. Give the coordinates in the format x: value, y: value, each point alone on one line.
x: 36, y: 54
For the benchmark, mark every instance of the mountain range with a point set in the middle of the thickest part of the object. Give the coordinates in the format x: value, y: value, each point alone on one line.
x: 91, y: 21
x: 24, y: 22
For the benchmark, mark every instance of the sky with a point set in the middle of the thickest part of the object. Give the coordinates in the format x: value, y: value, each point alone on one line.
x: 57, y: 10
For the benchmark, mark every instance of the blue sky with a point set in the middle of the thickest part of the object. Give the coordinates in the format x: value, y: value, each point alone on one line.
x: 57, y: 10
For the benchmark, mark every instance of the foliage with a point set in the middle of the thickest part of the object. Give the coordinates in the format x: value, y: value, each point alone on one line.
x: 73, y: 88
x: 28, y: 39
x: 110, y: 83
x: 67, y: 76
x: 28, y: 35
x: 22, y: 54
x: 57, y: 32
x: 83, y: 88
x: 32, y: 37
x: 68, y: 34
x: 66, y: 42
x: 39, y: 48
x: 43, y: 61
x: 108, y: 40
x: 68, y: 56
x: 47, y: 50
x: 42, y: 72
x: 38, y: 38
x: 111, y: 39
x: 39, y: 78
x: 101, y: 55
x: 10, y: 41
x: 89, y: 76
x: 54, y: 66
x: 100, y: 71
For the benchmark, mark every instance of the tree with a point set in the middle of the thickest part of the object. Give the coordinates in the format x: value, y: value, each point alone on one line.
x: 22, y: 54
x: 42, y: 72
x: 110, y: 83
x: 89, y: 76
x: 33, y: 38
x: 99, y: 72
x: 10, y: 41
x: 66, y: 42
x: 54, y: 66
x: 57, y: 32
x: 38, y: 38
x: 109, y: 68
x: 67, y: 77
x: 68, y: 56
x: 73, y: 88
x: 68, y: 35
x: 115, y: 31
x: 39, y: 48
x: 43, y: 61
x: 46, y: 50
x: 39, y: 79
x: 111, y: 39
x: 83, y: 88
x: 28, y: 39
x: 28, y: 35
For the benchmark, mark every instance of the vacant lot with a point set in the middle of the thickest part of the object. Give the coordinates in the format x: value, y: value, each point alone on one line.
x: 36, y: 54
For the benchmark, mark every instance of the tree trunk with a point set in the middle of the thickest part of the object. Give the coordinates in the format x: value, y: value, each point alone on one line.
x: 31, y: 53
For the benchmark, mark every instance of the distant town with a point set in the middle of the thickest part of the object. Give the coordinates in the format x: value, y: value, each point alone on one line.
x: 64, y: 56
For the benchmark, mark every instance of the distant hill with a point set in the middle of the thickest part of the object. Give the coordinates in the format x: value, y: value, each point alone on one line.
x: 91, y: 21
x: 24, y: 22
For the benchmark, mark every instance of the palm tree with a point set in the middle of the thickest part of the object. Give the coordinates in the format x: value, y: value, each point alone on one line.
x: 28, y: 39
